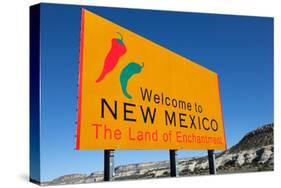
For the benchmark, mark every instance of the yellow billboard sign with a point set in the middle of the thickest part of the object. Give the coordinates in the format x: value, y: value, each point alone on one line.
x: 136, y: 94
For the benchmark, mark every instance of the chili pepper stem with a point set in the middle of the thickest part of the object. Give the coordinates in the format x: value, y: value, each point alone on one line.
x: 121, y: 37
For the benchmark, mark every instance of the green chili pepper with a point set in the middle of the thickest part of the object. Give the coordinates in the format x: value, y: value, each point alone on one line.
x: 131, y: 69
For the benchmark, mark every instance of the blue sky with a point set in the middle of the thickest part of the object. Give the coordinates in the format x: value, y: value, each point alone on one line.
x: 239, y: 49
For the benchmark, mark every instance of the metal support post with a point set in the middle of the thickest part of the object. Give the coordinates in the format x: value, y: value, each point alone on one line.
x: 212, y: 162
x: 174, y: 163
x: 108, y: 165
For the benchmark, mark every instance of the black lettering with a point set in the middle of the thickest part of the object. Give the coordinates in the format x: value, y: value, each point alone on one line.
x: 148, y: 112
x: 189, y: 106
x: 192, y: 118
x: 156, y: 99
x: 204, y: 119
x: 182, y: 104
x: 199, y: 123
x: 167, y: 99
x: 145, y: 94
x: 182, y: 120
x: 114, y: 113
x: 214, y: 129
x: 126, y: 111
x: 174, y: 103
x: 200, y: 110
x: 172, y: 119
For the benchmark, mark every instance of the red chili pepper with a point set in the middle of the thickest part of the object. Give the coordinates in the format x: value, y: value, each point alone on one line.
x: 117, y: 50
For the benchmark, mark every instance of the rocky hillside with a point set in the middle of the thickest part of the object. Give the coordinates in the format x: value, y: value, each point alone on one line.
x: 254, y: 152
x: 262, y: 136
